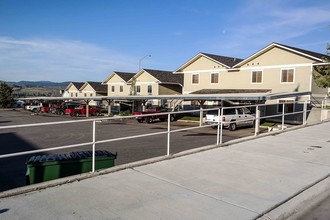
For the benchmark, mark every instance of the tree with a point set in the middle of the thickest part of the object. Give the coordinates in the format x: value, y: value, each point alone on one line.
x: 133, y: 89
x: 6, y: 97
x: 321, y: 73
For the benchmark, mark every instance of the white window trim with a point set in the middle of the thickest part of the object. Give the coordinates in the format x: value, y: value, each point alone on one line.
x: 262, y: 77
x: 294, y: 75
x: 192, y: 78
x: 292, y: 100
x: 121, y: 88
x: 211, y: 78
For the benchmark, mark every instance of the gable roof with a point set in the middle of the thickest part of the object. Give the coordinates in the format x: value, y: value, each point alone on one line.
x: 78, y: 85
x: 97, y: 86
x: 166, y: 76
x: 226, y: 61
x: 126, y: 76
x: 305, y: 53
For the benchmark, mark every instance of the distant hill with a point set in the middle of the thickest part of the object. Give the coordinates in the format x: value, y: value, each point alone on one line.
x: 39, y: 84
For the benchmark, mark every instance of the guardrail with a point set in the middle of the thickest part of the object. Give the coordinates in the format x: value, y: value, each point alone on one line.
x: 258, y: 117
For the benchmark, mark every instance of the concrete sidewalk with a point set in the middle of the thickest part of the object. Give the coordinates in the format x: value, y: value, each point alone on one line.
x: 273, y: 177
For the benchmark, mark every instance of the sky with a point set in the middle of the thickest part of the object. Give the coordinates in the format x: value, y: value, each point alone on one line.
x: 80, y: 40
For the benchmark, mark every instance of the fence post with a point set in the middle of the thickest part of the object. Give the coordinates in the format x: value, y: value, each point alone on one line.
x: 221, y: 126
x: 283, y: 112
x: 218, y: 126
x: 305, y: 113
x: 93, y: 154
x: 168, y: 133
x: 257, y: 122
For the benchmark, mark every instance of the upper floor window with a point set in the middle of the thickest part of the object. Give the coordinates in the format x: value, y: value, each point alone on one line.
x: 149, y: 89
x: 287, y: 75
x: 85, y: 94
x: 76, y: 94
x: 112, y: 88
x: 71, y: 94
x: 257, y: 76
x: 195, y: 79
x: 214, y: 77
x: 138, y: 89
x: 121, y: 89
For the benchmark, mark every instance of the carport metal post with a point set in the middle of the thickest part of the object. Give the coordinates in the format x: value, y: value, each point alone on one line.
x: 87, y: 108
x: 168, y: 133
x: 93, y: 154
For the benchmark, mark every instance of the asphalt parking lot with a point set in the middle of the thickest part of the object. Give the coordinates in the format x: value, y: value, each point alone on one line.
x: 42, y: 137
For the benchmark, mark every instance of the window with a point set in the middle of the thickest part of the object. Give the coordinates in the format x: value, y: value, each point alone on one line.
x: 137, y: 89
x: 288, y: 105
x: 287, y: 75
x: 214, y: 77
x: 76, y: 94
x: 71, y: 94
x: 91, y: 94
x: 195, y: 78
x: 257, y: 76
x: 121, y: 89
x: 85, y: 94
x: 149, y: 89
x: 112, y: 88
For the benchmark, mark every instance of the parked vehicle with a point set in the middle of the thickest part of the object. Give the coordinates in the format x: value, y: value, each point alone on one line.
x: 231, y: 118
x: 82, y: 110
x: 34, y: 107
x: 67, y: 108
x: 151, y: 118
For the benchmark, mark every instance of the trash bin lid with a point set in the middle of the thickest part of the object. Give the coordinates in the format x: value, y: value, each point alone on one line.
x: 75, y: 155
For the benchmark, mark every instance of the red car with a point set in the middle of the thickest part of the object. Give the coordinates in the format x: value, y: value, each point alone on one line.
x: 81, y: 110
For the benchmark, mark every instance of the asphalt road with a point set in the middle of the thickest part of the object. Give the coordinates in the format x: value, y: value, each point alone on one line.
x: 12, y: 172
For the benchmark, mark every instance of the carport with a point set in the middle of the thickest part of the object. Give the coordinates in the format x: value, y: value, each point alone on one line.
x: 258, y: 96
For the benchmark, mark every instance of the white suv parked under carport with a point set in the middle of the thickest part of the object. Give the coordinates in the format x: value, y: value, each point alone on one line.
x: 231, y: 118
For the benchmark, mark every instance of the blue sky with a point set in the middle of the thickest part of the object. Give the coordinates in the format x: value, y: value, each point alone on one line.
x: 80, y: 40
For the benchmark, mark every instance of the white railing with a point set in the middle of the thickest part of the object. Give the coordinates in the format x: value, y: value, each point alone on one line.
x: 169, y: 131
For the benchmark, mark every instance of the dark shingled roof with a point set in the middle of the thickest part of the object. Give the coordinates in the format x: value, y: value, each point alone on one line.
x: 310, y: 53
x: 228, y: 61
x: 166, y: 76
x: 78, y: 85
x: 98, y: 87
x: 227, y: 91
x: 124, y: 75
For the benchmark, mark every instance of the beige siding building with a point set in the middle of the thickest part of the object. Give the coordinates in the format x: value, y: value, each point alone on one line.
x: 93, y: 89
x: 73, y: 90
x: 156, y: 82
x: 276, y: 68
x: 117, y: 83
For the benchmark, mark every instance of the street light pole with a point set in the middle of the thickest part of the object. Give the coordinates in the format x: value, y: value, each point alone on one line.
x: 143, y: 59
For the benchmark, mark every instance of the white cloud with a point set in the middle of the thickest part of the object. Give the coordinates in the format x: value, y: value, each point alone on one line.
x: 258, y: 23
x: 58, y: 60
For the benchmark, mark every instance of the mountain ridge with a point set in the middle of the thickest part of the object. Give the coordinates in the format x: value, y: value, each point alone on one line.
x: 38, y: 83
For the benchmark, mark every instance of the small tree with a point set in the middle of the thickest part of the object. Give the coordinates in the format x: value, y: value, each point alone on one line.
x: 132, y: 88
x: 321, y: 73
x: 6, y: 97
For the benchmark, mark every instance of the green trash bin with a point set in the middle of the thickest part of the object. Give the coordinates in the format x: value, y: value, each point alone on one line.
x: 49, y: 167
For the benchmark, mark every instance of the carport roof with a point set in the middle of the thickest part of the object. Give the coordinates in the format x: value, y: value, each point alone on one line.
x: 261, y: 96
